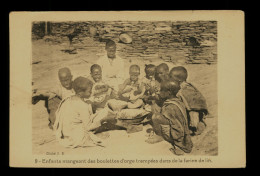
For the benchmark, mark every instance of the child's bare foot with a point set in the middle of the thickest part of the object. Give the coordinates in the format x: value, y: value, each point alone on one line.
x: 201, y: 127
x: 154, y: 139
x: 176, y: 150
x: 50, y: 126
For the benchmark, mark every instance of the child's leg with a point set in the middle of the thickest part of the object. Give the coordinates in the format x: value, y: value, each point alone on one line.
x: 158, y: 120
x: 201, y: 125
x: 137, y: 104
x: 116, y: 105
x: 52, y: 108
x: 194, y: 119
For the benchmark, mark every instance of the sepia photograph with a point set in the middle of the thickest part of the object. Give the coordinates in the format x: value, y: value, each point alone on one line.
x: 147, y: 89
x: 127, y: 63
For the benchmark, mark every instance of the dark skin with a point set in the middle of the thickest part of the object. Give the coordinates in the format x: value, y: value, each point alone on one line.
x: 150, y: 75
x: 161, y: 74
x: 111, y: 52
x: 134, y: 74
x: 65, y: 78
x: 149, y: 90
x: 173, y: 76
x: 97, y: 77
x: 167, y: 91
x: 96, y: 74
x: 86, y: 93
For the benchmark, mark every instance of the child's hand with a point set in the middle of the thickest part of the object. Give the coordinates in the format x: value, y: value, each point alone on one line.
x: 124, y: 98
x: 108, y: 119
x: 128, y: 82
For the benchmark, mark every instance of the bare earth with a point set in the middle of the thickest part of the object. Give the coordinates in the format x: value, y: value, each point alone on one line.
x: 48, y: 58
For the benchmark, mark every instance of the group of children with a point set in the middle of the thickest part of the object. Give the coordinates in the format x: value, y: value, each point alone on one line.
x: 79, y: 107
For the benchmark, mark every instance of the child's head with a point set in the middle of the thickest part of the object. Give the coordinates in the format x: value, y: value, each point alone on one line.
x: 162, y: 72
x: 150, y: 71
x: 169, y: 89
x: 65, y: 77
x: 134, y: 72
x: 178, y: 74
x: 96, y: 72
x: 82, y: 87
x: 111, y: 49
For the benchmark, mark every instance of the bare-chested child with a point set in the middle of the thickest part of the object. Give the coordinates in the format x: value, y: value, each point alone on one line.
x: 130, y: 92
x: 132, y: 89
x: 193, y: 99
x: 53, y: 97
x: 101, y: 92
x: 171, y: 123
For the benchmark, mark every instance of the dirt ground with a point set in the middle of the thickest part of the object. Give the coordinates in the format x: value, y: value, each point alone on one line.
x: 47, y: 58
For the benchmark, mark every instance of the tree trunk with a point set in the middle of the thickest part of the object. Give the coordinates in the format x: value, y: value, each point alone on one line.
x: 46, y: 28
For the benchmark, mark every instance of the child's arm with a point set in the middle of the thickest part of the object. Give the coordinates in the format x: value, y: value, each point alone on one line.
x: 123, y: 89
x: 45, y: 94
x: 140, y: 90
x: 100, y: 90
x: 87, y: 119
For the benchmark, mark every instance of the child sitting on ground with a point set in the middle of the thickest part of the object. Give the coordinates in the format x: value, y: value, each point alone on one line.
x: 132, y: 89
x: 75, y: 122
x: 152, y: 86
x: 101, y: 92
x: 171, y: 123
x: 54, y: 96
x: 193, y: 99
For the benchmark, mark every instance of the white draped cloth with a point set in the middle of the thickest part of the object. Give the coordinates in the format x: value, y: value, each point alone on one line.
x: 74, y: 122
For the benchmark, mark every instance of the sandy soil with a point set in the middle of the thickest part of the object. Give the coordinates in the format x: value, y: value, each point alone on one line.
x: 48, y: 58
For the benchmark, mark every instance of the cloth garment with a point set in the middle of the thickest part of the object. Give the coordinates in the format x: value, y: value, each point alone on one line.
x: 171, y: 123
x: 196, y: 106
x: 53, y: 98
x: 152, y: 86
x: 192, y: 97
x: 74, y: 122
x: 112, y: 71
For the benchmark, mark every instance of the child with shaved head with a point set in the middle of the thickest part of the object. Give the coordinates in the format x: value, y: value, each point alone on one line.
x: 162, y: 72
x: 132, y: 89
x: 75, y: 123
x: 101, y: 92
x: 171, y: 123
x: 53, y: 97
x: 193, y: 99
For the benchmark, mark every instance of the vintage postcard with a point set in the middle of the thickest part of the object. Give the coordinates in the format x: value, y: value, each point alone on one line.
x: 127, y: 89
